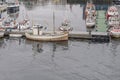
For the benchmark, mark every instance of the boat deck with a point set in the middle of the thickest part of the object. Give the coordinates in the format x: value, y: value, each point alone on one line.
x: 101, y: 21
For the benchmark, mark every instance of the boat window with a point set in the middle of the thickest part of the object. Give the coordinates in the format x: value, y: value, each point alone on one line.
x: 7, y: 22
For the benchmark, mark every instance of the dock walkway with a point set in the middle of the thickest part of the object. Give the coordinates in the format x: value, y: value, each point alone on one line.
x: 101, y: 21
x: 94, y: 36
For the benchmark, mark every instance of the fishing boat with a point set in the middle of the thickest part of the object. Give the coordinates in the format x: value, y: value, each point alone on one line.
x: 90, y: 9
x: 46, y: 36
x: 115, y: 31
x: 39, y: 35
x: 65, y: 26
x: 112, y: 11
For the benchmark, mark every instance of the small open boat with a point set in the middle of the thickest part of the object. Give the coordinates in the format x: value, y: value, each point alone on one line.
x: 65, y: 26
x: 112, y: 11
x: 25, y: 24
x: 90, y: 21
x: 10, y: 24
x: 90, y: 9
x: 115, y: 31
x: 90, y: 14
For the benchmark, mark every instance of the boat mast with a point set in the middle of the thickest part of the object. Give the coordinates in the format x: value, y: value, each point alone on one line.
x: 53, y: 22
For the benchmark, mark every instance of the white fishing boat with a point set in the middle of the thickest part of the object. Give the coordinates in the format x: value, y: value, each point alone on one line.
x: 112, y: 11
x: 115, y: 31
x: 39, y: 35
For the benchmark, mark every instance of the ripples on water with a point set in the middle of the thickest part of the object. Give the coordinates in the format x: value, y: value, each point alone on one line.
x: 22, y: 59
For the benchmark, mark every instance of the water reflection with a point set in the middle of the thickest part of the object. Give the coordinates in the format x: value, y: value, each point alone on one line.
x: 43, y: 47
x: 17, y: 41
x: 114, y: 46
x: 32, y: 4
x: 2, y: 43
x: 37, y: 47
x: 67, y: 59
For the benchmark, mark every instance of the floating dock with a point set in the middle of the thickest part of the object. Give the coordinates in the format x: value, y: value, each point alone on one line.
x: 95, y: 36
x: 104, y: 36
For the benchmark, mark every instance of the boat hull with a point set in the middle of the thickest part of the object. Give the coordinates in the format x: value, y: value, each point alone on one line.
x: 62, y: 28
x: 90, y: 24
x: 61, y: 37
x: 115, y: 34
x: 1, y: 34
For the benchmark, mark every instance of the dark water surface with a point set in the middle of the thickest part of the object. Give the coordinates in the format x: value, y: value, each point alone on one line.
x: 21, y: 59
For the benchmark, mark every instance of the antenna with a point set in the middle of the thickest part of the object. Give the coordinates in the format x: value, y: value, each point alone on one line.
x: 53, y: 22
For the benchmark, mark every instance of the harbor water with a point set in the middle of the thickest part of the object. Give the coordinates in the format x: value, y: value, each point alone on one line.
x: 22, y: 59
